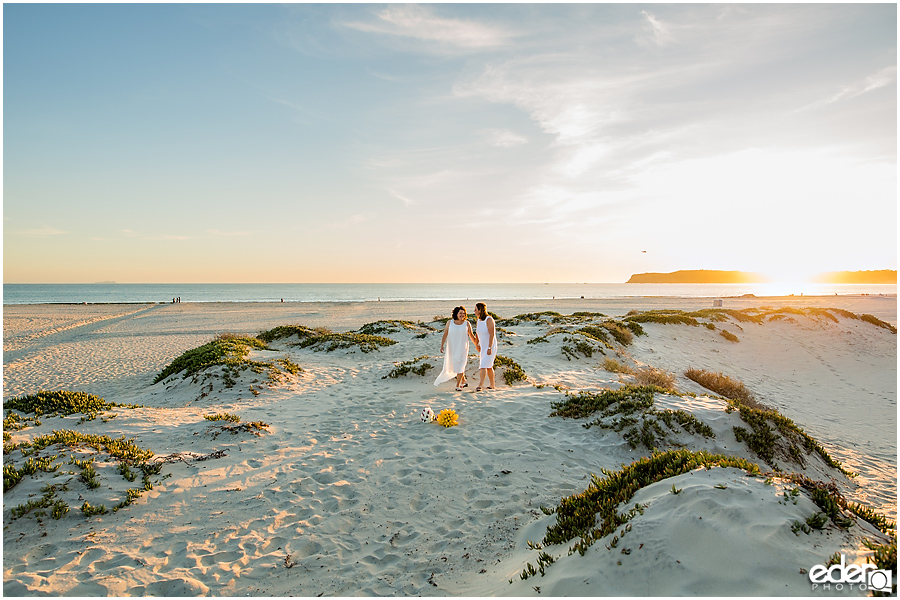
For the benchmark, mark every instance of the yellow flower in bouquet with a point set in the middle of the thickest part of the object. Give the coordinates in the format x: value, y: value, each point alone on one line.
x: 448, y: 417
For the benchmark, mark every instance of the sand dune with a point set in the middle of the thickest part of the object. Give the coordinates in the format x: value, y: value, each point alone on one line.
x: 347, y: 492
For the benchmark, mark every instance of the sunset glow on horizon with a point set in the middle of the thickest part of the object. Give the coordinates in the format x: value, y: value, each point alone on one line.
x: 363, y: 143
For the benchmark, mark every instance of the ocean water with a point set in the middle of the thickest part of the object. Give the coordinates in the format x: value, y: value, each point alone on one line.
x: 105, y: 293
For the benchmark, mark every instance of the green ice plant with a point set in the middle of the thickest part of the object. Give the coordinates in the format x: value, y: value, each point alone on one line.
x: 409, y: 366
x: 226, y: 349
x: 577, y: 516
x: 324, y: 339
x: 392, y: 326
x: 62, y: 402
x: 512, y: 372
x: 764, y: 440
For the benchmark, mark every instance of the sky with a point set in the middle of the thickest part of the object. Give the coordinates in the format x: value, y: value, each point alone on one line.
x: 164, y: 143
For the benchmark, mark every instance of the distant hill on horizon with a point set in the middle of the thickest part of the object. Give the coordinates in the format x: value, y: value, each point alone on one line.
x: 699, y: 276
x: 881, y: 276
x: 709, y: 276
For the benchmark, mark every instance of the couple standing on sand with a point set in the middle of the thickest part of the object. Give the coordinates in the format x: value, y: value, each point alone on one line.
x: 456, y: 338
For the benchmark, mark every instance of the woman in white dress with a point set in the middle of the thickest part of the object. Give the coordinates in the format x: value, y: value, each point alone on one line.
x: 456, y: 338
x: 487, y: 340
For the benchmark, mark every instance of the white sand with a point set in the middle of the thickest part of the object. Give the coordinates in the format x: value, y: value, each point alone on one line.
x: 349, y: 493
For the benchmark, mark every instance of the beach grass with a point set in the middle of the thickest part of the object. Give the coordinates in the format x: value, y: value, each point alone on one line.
x: 614, y: 366
x: 723, y: 385
x: 651, y: 376
x: 749, y: 315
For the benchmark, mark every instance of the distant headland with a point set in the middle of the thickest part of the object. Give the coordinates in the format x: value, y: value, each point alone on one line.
x: 708, y: 276
x: 701, y: 276
x: 882, y: 276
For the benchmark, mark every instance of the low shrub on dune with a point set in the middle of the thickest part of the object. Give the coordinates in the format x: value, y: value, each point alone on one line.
x: 614, y: 366
x: 729, y: 336
x: 622, y: 334
x: 723, y: 385
x: 878, y: 322
x: 664, y: 317
x: 655, y: 377
x: 598, y: 333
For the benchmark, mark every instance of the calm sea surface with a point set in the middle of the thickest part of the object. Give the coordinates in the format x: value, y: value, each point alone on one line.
x: 365, y: 292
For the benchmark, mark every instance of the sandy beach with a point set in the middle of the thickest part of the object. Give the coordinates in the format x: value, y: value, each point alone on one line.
x: 344, y: 490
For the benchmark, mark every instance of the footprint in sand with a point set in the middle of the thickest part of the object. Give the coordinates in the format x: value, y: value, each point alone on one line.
x: 87, y: 589
x: 272, y: 544
x: 220, y: 557
x: 172, y: 587
x: 119, y: 561
x: 91, y: 556
x: 324, y: 477
x: 306, y: 549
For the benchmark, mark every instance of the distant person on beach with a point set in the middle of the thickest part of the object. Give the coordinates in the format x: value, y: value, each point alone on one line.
x: 487, y: 341
x: 457, y: 334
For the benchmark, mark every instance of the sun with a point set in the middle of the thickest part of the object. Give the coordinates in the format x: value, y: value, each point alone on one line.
x: 789, y: 274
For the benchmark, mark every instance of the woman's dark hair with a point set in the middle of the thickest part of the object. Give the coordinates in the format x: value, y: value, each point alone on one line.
x: 456, y: 312
x: 481, y: 307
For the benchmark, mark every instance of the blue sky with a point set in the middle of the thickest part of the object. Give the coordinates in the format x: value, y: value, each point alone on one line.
x: 442, y: 143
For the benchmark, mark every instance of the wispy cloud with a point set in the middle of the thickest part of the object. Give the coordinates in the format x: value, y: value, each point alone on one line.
x: 503, y: 138
x: 421, y: 23
x: 219, y: 233
x: 155, y: 237
x: 882, y: 78
x: 38, y: 232
x: 660, y: 33
x: 406, y: 201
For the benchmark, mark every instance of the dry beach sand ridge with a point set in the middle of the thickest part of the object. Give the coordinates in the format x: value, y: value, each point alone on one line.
x: 330, y: 483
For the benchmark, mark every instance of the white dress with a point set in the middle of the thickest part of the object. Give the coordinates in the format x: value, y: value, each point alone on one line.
x: 456, y: 351
x: 481, y: 329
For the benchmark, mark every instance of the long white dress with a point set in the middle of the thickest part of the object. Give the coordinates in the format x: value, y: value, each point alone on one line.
x: 481, y: 329
x: 456, y: 351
